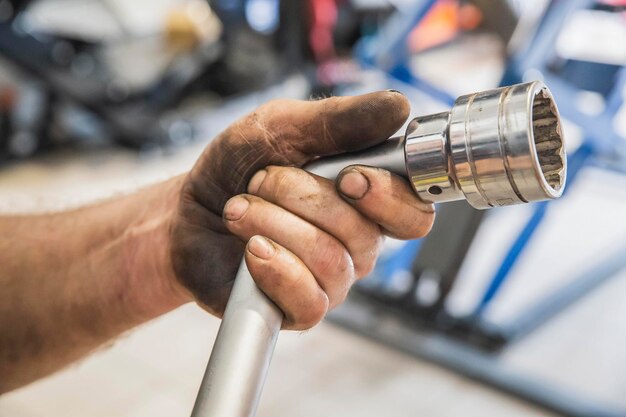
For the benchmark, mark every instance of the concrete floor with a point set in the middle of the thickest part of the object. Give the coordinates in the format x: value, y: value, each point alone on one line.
x: 155, y: 371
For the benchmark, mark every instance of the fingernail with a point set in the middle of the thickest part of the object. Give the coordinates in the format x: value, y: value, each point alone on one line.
x: 353, y: 184
x: 256, y: 181
x: 261, y: 247
x: 235, y: 208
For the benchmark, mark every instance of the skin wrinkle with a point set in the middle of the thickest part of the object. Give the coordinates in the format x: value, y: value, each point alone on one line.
x: 328, y: 137
x: 243, y: 180
x: 274, y: 141
x: 197, y: 216
x: 249, y: 160
x: 331, y: 257
x: 244, y: 156
x: 280, y: 142
x: 268, y: 136
x: 329, y: 107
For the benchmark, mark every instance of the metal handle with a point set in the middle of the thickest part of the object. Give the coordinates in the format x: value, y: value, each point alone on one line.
x: 242, y: 352
x: 493, y: 148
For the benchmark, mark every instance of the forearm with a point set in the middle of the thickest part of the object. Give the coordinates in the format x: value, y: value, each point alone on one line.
x: 71, y: 281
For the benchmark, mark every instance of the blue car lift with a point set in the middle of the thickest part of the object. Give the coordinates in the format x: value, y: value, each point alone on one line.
x: 470, y: 345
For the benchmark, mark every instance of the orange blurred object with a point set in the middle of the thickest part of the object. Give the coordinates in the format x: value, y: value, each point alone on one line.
x: 442, y: 23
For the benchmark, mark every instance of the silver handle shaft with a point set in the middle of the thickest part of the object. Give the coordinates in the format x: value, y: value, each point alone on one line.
x: 242, y: 352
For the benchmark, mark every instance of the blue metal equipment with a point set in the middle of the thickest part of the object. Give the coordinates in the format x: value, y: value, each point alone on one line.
x: 470, y: 345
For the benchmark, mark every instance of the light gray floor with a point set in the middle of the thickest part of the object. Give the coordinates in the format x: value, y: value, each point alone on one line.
x: 155, y: 372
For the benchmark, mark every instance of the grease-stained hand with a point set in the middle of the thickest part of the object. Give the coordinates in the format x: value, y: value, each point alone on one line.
x: 308, y: 238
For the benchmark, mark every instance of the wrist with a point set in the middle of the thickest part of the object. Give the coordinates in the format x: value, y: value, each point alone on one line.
x: 151, y: 286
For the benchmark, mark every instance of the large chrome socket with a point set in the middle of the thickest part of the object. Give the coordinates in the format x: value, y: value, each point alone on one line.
x: 494, y: 148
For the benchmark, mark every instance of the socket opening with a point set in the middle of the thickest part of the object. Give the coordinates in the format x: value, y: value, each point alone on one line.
x: 548, y: 139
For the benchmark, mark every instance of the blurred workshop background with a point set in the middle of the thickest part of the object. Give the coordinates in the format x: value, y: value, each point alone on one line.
x: 519, y: 311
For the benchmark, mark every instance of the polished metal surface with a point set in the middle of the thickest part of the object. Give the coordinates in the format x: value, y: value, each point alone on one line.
x: 504, y: 147
x: 242, y: 352
x: 494, y: 148
x: 427, y: 159
x: 388, y: 155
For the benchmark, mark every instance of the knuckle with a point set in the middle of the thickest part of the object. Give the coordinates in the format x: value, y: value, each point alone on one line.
x: 331, y: 259
x: 341, y: 296
x: 285, y: 184
x: 366, y: 261
x: 365, y: 266
x: 365, y: 240
x: 278, y: 181
x: 313, y: 313
x: 334, y: 270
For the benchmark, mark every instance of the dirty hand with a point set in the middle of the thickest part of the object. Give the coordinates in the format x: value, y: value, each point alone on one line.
x: 306, y: 239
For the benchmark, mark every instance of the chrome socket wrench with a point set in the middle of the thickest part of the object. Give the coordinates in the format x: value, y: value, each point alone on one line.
x: 494, y: 148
